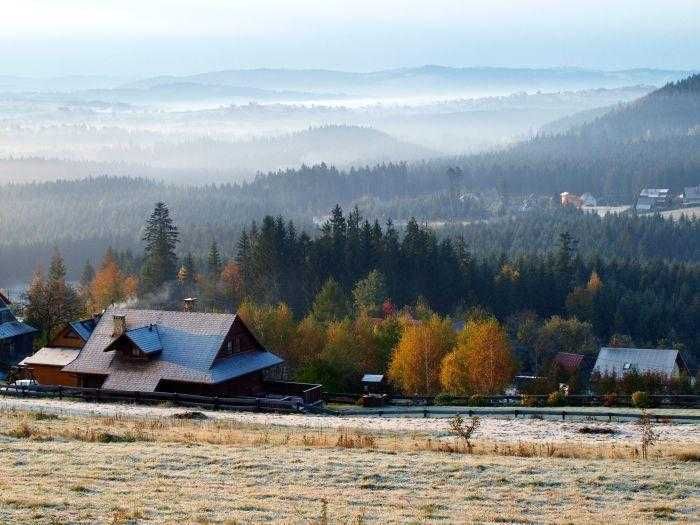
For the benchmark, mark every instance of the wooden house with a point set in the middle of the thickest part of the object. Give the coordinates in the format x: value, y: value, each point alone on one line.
x: 165, y: 351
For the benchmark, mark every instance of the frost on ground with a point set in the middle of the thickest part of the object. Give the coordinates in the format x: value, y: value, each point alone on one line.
x: 501, y: 429
x: 69, y: 482
x: 109, y: 463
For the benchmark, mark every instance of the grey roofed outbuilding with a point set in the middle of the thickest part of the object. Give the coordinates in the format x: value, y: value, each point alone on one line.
x: 620, y: 361
x: 189, y: 341
x: 373, y: 378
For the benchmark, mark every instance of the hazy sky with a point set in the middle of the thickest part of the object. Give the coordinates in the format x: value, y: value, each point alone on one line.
x: 144, y: 37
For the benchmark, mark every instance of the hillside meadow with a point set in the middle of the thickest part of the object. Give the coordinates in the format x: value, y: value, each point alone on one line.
x: 128, y: 469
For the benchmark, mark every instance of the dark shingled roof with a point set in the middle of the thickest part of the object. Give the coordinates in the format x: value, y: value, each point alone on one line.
x: 189, y: 342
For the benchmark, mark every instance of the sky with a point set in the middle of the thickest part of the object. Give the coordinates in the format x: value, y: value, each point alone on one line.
x: 137, y: 38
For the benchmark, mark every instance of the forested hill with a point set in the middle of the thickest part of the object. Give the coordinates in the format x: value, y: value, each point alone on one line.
x: 671, y: 110
x: 651, y: 142
x: 82, y: 218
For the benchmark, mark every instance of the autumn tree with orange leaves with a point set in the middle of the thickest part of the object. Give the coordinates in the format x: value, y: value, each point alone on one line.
x: 415, y: 363
x: 110, y: 286
x: 482, y: 362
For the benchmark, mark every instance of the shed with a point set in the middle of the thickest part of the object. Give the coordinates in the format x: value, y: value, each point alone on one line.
x: 373, y: 383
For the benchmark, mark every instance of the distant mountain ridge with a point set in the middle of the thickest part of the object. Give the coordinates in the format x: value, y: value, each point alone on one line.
x: 429, y: 78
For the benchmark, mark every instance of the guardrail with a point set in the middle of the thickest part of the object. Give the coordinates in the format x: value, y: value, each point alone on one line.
x: 286, y: 404
x: 657, y: 400
x: 428, y: 411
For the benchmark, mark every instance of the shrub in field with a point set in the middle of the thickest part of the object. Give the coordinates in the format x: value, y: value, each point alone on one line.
x: 641, y: 399
x: 556, y: 399
x: 478, y: 401
x: 648, y: 435
x: 465, y: 430
x: 444, y: 399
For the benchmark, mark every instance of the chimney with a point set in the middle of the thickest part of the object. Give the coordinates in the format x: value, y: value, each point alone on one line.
x: 189, y: 304
x: 119, y: 325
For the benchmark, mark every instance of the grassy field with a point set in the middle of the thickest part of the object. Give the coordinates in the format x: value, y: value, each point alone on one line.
x: 121, y: 469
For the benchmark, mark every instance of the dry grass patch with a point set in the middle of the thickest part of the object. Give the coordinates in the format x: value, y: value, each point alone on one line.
x: 189, y: 430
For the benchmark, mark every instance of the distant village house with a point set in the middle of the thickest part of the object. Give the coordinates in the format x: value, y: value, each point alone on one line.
x: 651, y: 200
x: 621, y: 361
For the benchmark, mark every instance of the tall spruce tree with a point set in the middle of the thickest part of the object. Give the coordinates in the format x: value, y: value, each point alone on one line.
x: 161, y: 237
x: 213, y: 261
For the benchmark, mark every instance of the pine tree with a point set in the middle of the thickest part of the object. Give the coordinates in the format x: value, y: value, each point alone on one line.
x: 161, y: 237
x: 213, y: 261
x: 52, y: 302
x: 87, y: 275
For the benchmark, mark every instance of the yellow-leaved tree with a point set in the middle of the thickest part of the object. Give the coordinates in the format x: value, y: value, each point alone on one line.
x: 415, y: 362
x: 110, y: 286
x: 482, y: 361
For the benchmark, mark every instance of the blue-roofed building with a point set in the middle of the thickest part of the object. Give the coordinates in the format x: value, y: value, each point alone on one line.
x: 186, y: 352
x: 16, y: 338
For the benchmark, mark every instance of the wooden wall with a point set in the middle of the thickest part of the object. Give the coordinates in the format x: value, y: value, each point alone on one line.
x: 52, y: 375
x: 247, y: 385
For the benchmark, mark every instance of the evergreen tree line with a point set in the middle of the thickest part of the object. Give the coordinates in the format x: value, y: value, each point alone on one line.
x: 361, y: 296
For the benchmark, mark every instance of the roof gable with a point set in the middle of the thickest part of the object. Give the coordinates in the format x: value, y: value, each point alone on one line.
x: 145, y: 338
